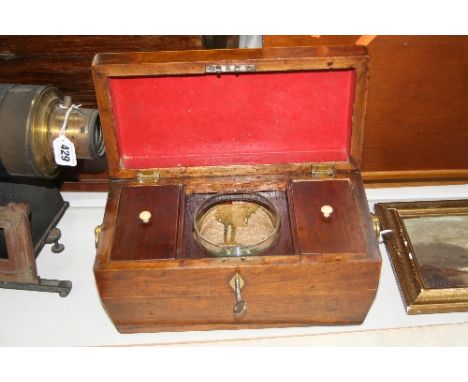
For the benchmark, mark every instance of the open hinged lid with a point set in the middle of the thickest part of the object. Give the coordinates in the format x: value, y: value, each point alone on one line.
x: 246, y: 107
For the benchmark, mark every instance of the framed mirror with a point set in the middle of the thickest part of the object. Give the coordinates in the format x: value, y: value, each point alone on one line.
x: 428, y: 248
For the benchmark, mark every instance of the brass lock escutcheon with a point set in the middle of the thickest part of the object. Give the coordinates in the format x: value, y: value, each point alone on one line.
x: 237, y: 283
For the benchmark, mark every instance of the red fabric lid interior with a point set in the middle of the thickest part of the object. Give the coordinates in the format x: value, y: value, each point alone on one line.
x: 257, y: 118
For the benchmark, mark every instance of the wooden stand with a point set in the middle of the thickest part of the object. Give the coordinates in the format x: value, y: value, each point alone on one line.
x: 19, y: 270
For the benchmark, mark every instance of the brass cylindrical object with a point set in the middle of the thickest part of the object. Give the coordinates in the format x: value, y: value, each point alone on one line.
x: 31, y: 117
x: 82, y: 129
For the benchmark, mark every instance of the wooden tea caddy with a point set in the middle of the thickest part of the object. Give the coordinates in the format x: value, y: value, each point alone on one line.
x: 284, y: 123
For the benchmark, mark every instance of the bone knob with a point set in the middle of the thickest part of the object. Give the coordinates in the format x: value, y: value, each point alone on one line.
x: 145, y: 216
x: 326, y: 211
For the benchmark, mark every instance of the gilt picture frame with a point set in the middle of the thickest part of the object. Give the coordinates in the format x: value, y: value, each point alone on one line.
x: 428, y: 249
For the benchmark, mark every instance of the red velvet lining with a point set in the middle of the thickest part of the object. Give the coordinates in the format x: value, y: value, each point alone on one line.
x: 257, y: 118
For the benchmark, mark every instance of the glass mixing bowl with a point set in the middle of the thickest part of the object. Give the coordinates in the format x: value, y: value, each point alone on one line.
x: 236, y: 224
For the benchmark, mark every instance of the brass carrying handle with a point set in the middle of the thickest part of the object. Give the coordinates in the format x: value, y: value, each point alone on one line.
x: 237, y: 283
x: 97, y: 234
x: 376, y: 225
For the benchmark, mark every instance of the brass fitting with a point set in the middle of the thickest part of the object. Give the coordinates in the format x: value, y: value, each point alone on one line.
x: 31, y: 117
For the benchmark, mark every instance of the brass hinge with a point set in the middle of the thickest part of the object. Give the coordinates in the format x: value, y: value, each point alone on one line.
x: 323, y: 170
x: 147, y: 176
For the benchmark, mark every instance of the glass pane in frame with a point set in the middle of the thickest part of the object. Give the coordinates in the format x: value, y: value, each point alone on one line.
x: 427, y: 243
x: 440, y: 246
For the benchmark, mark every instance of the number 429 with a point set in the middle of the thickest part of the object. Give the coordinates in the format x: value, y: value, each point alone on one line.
x: 65, y: 153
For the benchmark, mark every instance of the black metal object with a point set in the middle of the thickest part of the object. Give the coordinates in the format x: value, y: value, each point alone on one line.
x: 46, y: 208
x: 31, y: 118
x: 62, y: 287
x: 53, y: 238
x: 18, y: 267
x: 46, y: 204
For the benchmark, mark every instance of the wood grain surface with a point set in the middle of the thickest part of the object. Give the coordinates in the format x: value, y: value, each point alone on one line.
x: 416, y: 123
x: 333, y: 286
x: 183, y: 297
x: 315, y: 233
x: 20, y: 264
x: 156, y: 239
x: 65, y: 61
x: 330, y: 274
